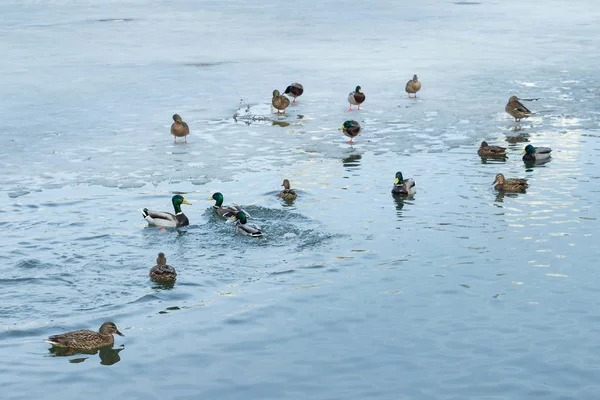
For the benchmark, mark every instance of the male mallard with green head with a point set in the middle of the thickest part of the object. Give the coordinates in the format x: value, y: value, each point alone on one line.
x: 86, y: 339
x: 413, y: 86
x: 294, y: 90
x: 516, y: 109
x: 162, y: 272
x: 536, y: 154
x: 403, y: 187
x: 166, y: 219
x: 287, y: 193
x: 351, y: 129
x: 357, y: 98
x: 487, y: 151
x: 510, y: 185
x: 179, y: 128
x: 242, y: 226
x: 279, y: 101
x: 224, y: 211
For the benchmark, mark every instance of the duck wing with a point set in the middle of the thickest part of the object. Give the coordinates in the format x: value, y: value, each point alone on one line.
x: 543, y: 150
x: 249, y: 229
x: 72, y: 339
x: 160, y: 218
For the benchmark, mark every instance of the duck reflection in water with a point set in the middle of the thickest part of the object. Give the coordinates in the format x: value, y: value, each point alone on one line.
x: 108, y: 355
x: 522, y: 138
x: 352, y: 161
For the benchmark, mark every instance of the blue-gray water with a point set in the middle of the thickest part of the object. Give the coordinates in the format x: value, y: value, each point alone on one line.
x: 455, y: 293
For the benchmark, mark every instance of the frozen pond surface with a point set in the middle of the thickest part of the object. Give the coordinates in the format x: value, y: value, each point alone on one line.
x: 455, y: 293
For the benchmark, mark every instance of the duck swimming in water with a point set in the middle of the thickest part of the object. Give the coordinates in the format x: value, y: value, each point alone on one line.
x: 86, y: 339
x: 166, y: 219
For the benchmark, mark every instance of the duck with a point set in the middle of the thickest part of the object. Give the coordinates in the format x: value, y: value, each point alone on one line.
x: 510, y: 185
x: 536, y: 154
x: 351, y: 129
x: 162, y: 272
x: 165, y: 219
x: 516, y: 109
x: 243, y: 227
x: 179, y: 129
x: 403, y: 187
x: 287, y: 193
x: 86, y: 339
x: 357, y: 98
x: 279, y: 101
x: 413, y: 86
x: 225, y: 211
x: 487, y: 151
x: 294, y: 90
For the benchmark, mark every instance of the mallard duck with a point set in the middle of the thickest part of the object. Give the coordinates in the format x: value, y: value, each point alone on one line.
x: 225, y: 211
x: 179, y: 129
x: 351, y: 129
x: 242, y: 226
x: 287, y: 193
x: 413, y: 86
x: 165, y: 219
x: 357, y: 98
x: 162, y: 272
x: 279, y: 102
x: 510, y: 185
x: 403, y: 187
x: 533, y: 154
x: 294, y: 90
x: 487, y: 151
x: 86, y: 339
x: 515, y: 108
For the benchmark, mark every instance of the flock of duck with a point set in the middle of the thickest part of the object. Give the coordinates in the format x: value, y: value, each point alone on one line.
x: 162, y: 272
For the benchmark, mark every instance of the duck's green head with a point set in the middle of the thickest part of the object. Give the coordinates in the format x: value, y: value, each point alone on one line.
x: 108, y: 328
x: 178, y: 200
x: 358, y: 89
x: 529, y: 149
x: 399, y: 178
x: 177, y: 118
x: 275, y: 93
x: 218, y: 197
x: 240, y: 216
x: 347, y: 124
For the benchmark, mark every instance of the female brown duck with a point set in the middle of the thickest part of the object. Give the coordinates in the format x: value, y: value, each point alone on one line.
x: 279, y: 101
x: 510, y: 185
x: 86, y: 339
x: 287, y: 193
x: 179, y: 129
x: 162, y: 272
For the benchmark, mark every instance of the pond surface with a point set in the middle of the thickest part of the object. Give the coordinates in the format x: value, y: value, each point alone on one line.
x: 457, y: 292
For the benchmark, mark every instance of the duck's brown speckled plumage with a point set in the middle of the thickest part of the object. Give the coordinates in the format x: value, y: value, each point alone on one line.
x: 413, y: 86
x: 287, y: 193
x: 487, y: 151
x: 279, y: 101
x: 510, y: 184
x: 86, y: 339
x: 516, y: 109
x: 179, y: 128
x: 162, y: 272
